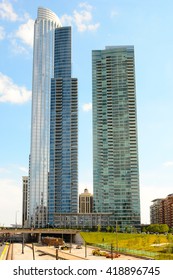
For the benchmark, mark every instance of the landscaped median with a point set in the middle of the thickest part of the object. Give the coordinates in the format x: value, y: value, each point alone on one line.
x: 4, y: 252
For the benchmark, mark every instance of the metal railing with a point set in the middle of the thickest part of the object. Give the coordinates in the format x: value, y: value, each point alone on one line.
x: 126, y: 251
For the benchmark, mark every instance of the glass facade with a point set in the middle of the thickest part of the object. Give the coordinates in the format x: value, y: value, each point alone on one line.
x: 63, y: 175
x: 82, y: 220
x: 115, y: 149
x: 24, y: 200
x: 43, y: 71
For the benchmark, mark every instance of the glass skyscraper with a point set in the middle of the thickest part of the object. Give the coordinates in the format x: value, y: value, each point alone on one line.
x: 63, y: 175
x: 115, y: 149
x: 43, y: 71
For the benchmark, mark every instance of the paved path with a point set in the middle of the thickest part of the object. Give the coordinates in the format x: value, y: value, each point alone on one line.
x: 49, y: 253
x: 40, y: 253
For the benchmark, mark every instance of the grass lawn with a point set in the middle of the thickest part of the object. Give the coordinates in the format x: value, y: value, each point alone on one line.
x: 145, y: 242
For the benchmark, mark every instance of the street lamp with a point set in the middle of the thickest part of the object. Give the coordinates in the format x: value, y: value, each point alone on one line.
x: 117, y: 236
x: 16, y: 218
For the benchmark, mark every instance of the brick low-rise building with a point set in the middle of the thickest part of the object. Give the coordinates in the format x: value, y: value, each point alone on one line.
x: 161, y: 211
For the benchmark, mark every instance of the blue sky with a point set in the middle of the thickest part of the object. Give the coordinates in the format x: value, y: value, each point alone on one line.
x: 95, y: 24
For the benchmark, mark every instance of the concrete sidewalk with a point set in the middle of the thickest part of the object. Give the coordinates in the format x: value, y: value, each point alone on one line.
x: 49, y: 253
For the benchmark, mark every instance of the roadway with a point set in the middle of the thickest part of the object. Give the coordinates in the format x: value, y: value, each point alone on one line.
x: 11, y: 234
x: 51, y: 231
x: 1, y: 249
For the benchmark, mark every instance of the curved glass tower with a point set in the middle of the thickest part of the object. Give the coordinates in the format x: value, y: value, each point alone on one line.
x: 43, y: 71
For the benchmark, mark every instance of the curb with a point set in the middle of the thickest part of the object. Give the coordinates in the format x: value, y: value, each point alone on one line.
x: 4, y: 252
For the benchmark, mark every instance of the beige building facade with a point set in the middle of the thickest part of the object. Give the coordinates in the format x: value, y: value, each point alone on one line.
x: 85, y: 202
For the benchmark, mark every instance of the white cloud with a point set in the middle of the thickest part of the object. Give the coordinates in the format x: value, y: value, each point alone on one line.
x: 3, y: 170
x: 23, y: 169
x: 168, y: 164
x: 81, y: 18
x: 93, y: 27
x: 7, y: 12
x: 10, y: 92
x: 87, y: 107
x: 113, y: 14
x: 26, y: 32
x: 17, y: 48
x: 67, y: 20
x: 2, y: 33
x: 85, y: 6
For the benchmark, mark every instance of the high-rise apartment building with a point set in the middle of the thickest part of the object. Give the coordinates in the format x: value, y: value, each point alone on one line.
x: 115, y: 149
x: 43, y: 71
x: 63, y: 174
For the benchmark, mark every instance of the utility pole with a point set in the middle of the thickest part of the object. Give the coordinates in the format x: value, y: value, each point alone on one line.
x: 85, y: 249
x: 111, y: 251
x: 117, y: 237
x: 16, y: 218
x: 70, y: 242
x: 22, y: 243
x: 56, y: 254
x: 33, y: 251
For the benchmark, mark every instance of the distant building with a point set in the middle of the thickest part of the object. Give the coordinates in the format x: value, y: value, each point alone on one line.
x: 168, y: 210
x: 16, y: 226
x: 85, y: 202
x: 25, y: 200
x: 161, y: 212
x: 155, y: 211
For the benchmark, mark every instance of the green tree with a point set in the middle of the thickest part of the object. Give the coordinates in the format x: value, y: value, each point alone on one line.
x: 164, y: 228
x: 108, y: 228
x: 153, y: 228
x: 98, y: 227
x: 160, y: 228
x: 134, y: 230
x: 144, y: 229
x: 117, y: 228
x: 171, y: 230
x: 130, y: 229
x: 112, y: 229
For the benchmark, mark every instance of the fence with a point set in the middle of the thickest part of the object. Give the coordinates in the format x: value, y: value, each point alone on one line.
x: 138, y: 253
